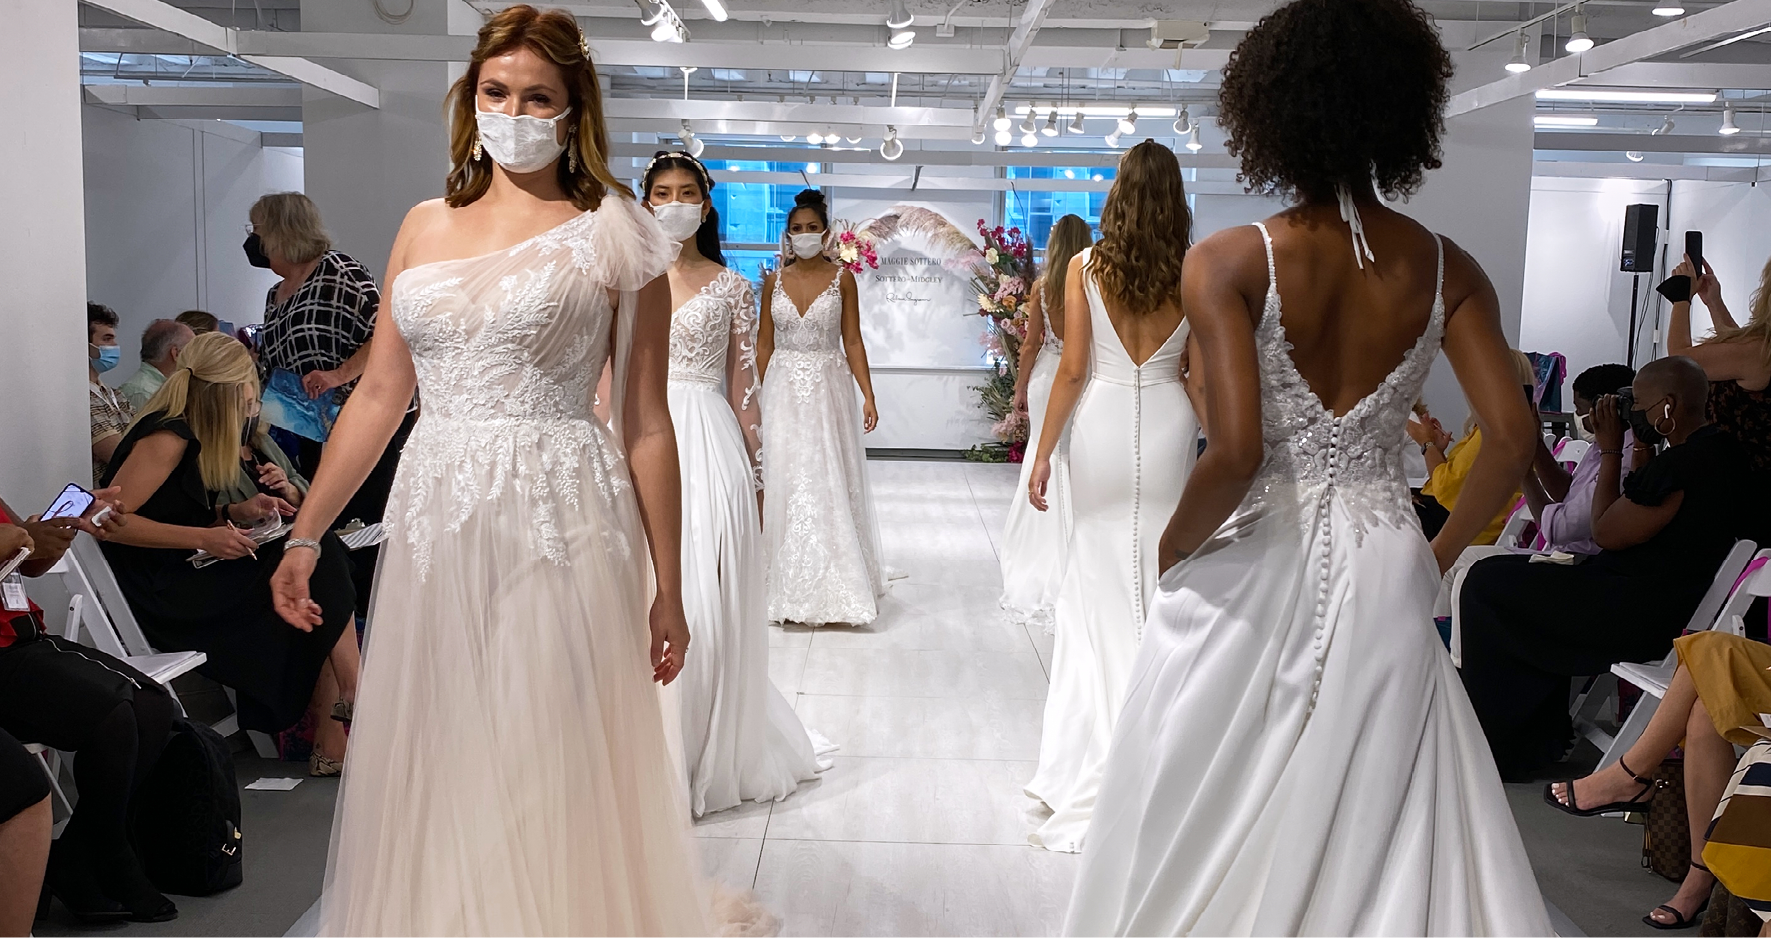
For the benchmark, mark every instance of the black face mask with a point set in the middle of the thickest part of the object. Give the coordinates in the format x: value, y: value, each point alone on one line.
x: 249, y: 430
x: 255, y: 255
x: 1643, y: 427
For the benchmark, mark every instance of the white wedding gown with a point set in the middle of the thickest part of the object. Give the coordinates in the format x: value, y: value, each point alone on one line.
x: 1296, y: 755
x: 508, y: 770
x: 823, y: 541
x: 741, y: 739
x: 1034, y: 542
x: 1133, y: 440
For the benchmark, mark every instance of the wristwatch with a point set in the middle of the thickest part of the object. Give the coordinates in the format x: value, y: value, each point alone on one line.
x: 295, y: 542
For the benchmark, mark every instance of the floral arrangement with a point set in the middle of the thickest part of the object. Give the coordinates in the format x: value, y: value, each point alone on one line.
x: 855, y: 250
x: 1003, y: 278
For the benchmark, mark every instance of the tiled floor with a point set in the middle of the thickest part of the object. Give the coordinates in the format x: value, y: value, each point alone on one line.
x: 919, y: 827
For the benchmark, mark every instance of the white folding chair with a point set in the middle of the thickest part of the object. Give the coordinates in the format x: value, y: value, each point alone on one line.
x: 1515, y: 526
x: 1653, y: 677
x: 1572, y: 451
x: 59, y: 805
x: 111, y: 624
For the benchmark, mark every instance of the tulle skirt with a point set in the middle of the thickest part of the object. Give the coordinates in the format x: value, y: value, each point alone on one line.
x: 741, y: 739
x: 508, y: 771
x: 1034, y: 542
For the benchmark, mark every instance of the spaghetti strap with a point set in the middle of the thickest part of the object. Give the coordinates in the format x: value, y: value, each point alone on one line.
x: 1439, y: 277
x: 1272, y: 269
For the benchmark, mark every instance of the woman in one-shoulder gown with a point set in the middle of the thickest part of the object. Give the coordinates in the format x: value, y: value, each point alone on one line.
x: 1132, y: 441
x: 1034, y: 542
x: 509, y: 771
x: 818, y: 518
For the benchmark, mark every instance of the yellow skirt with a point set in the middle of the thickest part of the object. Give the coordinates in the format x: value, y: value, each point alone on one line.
x: 1732, y: 679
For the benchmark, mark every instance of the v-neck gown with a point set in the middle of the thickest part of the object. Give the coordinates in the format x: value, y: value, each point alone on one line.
x: 823, y: 540
x: 1296, y: 755
x: 741, y: 739
x: 509, y: 771
x: 1133, y: 439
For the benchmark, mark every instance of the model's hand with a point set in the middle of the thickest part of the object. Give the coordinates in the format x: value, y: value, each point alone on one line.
x: 670, y: 639
x: 1607, y: 423
x: 226, y: 541
x: 1036, y: 482
x: 869, y: 416
x: 289, y: 594
x: 1020, y: 400
x: 316, y: 383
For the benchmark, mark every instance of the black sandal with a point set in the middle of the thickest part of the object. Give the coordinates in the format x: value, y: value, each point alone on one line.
x: 1679, y: 920
x: 1572, y: 807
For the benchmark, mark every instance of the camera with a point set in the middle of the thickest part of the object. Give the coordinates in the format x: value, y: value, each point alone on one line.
x: 1626, y: 401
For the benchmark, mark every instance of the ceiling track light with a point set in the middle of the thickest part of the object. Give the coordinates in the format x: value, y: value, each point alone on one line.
x: 1129, y: 123
x: 1051, y: 124
x: 1518, y: 63
x: 1027, y: 124
x: 1076, y: 122
x: 1003, y: 138
x: 666, y: 25
x: 978, y: 137
x: 788, y: 138
x: 900, y: 17
x: 1193, y: 139
x: 1112, y: 139
x: 891, y: 148
x: 1578, y: 40
x: 1001, y: 122
x: 1029, y: 140
x: 815, y: 138
x: 1666, y: 127
x: 901, y: 39
x: 1728, y: 128
x: 1184, y: 121
x: 1634, y: 156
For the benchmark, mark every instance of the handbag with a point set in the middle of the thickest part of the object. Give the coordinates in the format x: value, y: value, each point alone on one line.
x: 1666, y: 834
x: 185, y: 818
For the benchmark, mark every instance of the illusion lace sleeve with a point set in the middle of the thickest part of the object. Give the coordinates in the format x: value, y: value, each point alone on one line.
x: 629, y: 250
x: 743, y: 385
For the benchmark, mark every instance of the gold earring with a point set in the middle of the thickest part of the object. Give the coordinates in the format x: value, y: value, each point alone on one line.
x: 477, y: 152
x: 571, y: 153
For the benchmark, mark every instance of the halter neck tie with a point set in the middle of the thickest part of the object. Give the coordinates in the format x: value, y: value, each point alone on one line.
x: 1350, y: 215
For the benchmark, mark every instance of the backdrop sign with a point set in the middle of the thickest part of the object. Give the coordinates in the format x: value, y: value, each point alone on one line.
x: 916, y: 311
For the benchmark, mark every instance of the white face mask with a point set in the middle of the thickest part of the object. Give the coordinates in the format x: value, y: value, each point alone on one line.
x: 808, y: 244
x: 521, y: 144
x: 680, y: 220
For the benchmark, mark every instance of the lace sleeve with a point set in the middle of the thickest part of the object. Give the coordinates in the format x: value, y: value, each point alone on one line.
x: 742, y: 383
x: 628, y: 249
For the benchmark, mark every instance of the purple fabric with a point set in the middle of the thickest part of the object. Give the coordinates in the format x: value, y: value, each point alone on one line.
x: 1567, y: 525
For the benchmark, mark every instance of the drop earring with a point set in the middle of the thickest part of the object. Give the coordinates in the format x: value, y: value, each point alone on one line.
x: 477, y: 152
x: 571, y: 152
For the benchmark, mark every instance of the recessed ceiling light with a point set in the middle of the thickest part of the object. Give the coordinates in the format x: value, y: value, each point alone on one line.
x: 1626, y: 96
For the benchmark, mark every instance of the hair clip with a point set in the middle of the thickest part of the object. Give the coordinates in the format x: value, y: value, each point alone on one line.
x: 700, y: 168
x: 583, y: 44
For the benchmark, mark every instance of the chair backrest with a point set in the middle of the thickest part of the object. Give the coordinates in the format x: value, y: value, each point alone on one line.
x: 1754, y: 582
x: 91, y: 617
x: 1726, y: 577
x: 1572, y: 451
x: 92, y: 572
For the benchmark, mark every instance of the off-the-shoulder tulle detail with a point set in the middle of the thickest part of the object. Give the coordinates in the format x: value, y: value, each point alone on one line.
x: 629, y: 249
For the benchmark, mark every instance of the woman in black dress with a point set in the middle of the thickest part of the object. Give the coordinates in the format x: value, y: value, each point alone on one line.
x: 1737, y: 360
x: 172, y: 467
x: 1529, y: 627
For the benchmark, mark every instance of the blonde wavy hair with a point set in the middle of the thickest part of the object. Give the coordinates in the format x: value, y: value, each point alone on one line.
x: 554, y: 35
x: 208, y: 390
x: 1758, y: 321
x: 289, y: 225
x: 1067, y: 239
x: 1146, y: 229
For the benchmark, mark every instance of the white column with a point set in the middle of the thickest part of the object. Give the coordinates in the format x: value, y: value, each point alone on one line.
x: 44, y: 430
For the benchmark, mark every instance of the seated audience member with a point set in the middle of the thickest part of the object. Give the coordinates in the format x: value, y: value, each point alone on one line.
x: 1529, y: 627
x: 109, y: 411
x: 198, y: 321
x: 177, y: 471
x: 1424, y: 429
x: 1449, y: 469
x: 1722, y: 685
x: 25, y: 822
x: 161, y: 342
x: 1562, y: 501
x: 81, y: 700
x: 1737, y: 360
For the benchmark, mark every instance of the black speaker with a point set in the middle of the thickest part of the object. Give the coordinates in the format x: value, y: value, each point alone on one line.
x: 1640, y: 230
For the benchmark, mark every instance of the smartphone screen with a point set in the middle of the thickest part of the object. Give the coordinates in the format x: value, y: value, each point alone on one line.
x: 1694, y: 249
x: 71, y: 503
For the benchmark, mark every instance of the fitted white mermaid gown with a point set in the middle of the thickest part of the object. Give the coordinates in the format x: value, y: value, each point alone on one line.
x: 1296, y: 755
x: 741, y: 739
x: 1034, y: 542
x: 508, y: 771
x: 818, y: 521
x: 1133, y: 440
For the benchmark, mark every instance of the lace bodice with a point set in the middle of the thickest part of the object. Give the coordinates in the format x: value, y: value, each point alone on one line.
x: 713, y: 345
x: 507, y: 347
x: 1357, y: 456
x: 818, y: 330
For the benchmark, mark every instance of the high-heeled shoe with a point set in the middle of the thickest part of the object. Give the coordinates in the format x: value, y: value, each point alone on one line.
x: 70, y: 877
x: 344, y: 711
x: 322, y: 766
x: 121, y: 877
x: 1573, y: 807
x: 1680, y: 920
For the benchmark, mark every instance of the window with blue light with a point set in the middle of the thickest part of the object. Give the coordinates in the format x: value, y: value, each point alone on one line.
x: 1034, y: 211
x: 753, y: 213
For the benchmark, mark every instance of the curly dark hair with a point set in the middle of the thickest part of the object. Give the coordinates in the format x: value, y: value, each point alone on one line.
x: 1326, y: 93
x: 1603, y: 379
x: 1146, y: 229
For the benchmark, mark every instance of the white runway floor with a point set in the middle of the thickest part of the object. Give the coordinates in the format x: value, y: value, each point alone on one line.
x: 919, y: 828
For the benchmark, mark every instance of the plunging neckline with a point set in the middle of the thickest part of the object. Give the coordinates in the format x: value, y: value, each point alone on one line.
x: 1275, y: 307
x: 781, y: 286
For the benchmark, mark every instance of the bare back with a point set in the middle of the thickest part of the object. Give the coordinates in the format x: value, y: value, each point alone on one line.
x: 1141, y: 335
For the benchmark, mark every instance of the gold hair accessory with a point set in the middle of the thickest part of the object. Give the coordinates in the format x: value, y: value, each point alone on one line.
x: 583, y: 44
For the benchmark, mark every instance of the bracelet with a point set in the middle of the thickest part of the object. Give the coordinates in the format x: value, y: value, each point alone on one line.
x: 295, y: 542
x: 1611, y: 452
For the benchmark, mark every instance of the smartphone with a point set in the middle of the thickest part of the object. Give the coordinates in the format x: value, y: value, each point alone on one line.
x: 71, y: 503
x: 1694, y: 250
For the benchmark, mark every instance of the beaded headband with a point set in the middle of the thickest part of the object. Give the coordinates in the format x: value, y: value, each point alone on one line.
x: 700, y: 169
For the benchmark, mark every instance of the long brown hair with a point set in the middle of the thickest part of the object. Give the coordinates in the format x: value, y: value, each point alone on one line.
x: 1067, y: 239
x: 1146, y: 229
x: 1758, y: 322
x: 208, y: 390
x: 553, y: 35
